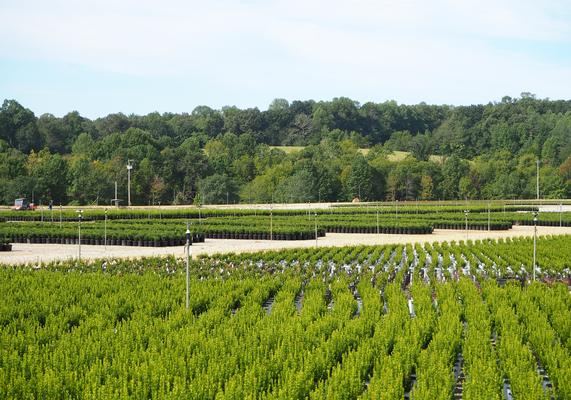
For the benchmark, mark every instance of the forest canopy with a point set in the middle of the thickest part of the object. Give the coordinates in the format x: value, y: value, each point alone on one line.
x: 236, y: 155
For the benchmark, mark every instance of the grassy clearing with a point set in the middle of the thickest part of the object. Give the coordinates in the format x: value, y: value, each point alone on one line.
x: 395, y: 156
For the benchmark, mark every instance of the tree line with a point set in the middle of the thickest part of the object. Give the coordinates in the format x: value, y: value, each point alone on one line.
x: 216, y: 156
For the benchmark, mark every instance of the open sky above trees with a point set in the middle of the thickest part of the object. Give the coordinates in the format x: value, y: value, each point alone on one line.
x: 198, y: 94
x: 101, y: 57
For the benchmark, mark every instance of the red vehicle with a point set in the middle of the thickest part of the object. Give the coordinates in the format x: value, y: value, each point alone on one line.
x: 22, y: 204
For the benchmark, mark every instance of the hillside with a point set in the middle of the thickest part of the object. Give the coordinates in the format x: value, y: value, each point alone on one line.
x: 227, y: 156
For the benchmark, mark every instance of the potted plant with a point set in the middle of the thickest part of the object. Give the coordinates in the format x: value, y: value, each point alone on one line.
x: 5, y: 244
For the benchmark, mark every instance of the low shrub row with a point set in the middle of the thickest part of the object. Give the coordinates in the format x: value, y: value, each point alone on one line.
x: 474, y: 226
x: 543, y: 222
x: 401, y: 230
x: 98, y: 214
x: 101, y: 241
x: 266, y: 235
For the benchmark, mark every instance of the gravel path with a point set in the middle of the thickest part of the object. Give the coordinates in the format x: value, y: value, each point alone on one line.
x: 34, y: 253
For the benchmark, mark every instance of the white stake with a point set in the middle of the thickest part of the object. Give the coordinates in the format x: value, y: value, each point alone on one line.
x: 187, y: 265
x: 80, y: 213
x: 534, y: 242
x: 315, y: 230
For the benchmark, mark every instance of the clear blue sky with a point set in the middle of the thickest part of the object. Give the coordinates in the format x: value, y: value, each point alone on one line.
x: 139, y: 56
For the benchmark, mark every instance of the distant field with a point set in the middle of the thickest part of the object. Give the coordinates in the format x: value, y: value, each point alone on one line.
x: 289, y: 149
x: 396, y: 156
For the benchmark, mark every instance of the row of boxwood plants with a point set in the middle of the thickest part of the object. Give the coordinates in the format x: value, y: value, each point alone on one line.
x: 401, y: 229
x: 421, y: 208
x: 282, y: 228
x: 288, y: 228
x: 150, y: 234
x: 68, y: 234
x: 473, y: 225
x: 544, y: 219
x: 408, y: 223
x: 169, y: 213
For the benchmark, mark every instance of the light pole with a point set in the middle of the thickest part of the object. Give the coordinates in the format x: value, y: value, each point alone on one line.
x: 377, y: 222
x: 315, y: 230
x: 535, y: 214
x: 105, y: 230
x: 80, y: 216
x: 187, y: 265
x: 488, y: 217
x: 560, y: 215
x: 466, y: 212
x: 537, y: 182
x: 271, y: 223
x: 396, y: 210
x: 129, y: 168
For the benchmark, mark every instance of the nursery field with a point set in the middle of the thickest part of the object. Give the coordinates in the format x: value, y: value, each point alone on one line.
x: 423, y: 321
x: 160, y: 227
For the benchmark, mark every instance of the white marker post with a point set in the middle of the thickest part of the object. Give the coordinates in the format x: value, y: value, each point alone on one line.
x: 80, y: 216
x: 466, y: 215
x: 129, y: 168
x: 315, y: 230
x: 187, y: 265
x: 105, y: 230
x: 535, y: 213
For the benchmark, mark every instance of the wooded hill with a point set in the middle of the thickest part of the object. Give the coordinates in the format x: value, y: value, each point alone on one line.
x: 228, y: 155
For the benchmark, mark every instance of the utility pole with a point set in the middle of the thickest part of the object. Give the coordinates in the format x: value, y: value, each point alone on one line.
x: 466, y: 216
x: 105, y: 230
x: 396, y: 210
x: 271, y: 223
x: 537, y: 183
x: 129, y: 168
x: 315, y: 230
